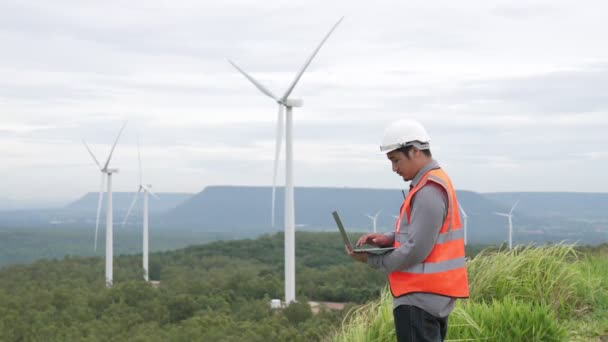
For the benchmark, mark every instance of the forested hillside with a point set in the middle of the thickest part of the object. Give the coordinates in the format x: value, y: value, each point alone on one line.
x: 216, y: 292
x: 27, y: 244
x: 221, y: 292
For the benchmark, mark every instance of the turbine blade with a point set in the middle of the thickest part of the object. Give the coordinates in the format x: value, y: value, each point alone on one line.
x: 103, y: 178
x: 502, y: 214
x: 153, y: 195
x: 462, y: 211
x: 378, y: 213
x: 139, y: 159
x: 91, y: 153
x: 150, y: 191
x: 513, y: 207
x: 277, y: 152
x: 255, y: 82
x: 114, y: 146
x: 295, y: 81
x: 131, y: 207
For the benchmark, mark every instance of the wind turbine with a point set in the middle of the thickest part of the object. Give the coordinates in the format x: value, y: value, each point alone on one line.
x: 147, y: 191
x: 106, y: 172
x: 288, y: 104
x: 510, y: 217
x: 465, y: 217
x: 374, y: 219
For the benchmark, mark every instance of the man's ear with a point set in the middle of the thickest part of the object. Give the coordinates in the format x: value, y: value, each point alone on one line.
x: 414, y: 152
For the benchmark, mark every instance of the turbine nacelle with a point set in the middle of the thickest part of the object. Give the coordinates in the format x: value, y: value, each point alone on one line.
x: 293, y: 103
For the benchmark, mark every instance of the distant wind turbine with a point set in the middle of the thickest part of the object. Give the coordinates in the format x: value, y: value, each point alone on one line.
x: 465, y: 217
x: 510, y: 217
x: 374, y: 219
x: 146, y: 190
x: 106, y: 172
x: 287, y: 103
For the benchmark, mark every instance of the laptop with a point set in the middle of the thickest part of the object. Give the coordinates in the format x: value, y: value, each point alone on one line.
x: 370, y: 249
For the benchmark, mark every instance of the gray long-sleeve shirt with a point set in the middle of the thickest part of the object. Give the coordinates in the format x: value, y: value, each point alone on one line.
x: 428, y: 212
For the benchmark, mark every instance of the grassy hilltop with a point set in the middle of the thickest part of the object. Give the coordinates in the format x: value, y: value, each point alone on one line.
x: 553, y: 293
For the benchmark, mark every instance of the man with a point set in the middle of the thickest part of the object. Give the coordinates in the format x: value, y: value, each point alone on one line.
x: 426, y: 271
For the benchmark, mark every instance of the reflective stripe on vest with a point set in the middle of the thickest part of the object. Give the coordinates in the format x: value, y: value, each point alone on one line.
x: 436, y: 267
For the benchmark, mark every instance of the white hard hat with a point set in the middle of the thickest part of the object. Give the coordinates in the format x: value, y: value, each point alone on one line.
x: 405, y: 132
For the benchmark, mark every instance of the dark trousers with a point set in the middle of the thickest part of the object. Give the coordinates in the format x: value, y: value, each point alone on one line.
x: 416, y: 325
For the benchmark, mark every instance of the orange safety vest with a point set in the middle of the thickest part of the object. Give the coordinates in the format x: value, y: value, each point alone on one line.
x: 443, y: 272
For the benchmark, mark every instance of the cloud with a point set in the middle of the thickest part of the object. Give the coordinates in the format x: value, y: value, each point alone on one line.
x: 569, y: 91
x: 521, y: 12
x: 8, y: 129
x: 506, y: 92
x: 596, y: 155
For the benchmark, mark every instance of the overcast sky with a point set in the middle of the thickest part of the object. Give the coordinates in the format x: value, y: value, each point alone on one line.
x: 513, y: 93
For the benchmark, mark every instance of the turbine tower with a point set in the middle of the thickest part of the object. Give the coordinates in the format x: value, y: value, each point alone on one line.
x: 374, y: 219
x: 465, y: 217
x: 288, y: 104
x: 106, y: 172
x: 510, y: 217
x: 146, y: 189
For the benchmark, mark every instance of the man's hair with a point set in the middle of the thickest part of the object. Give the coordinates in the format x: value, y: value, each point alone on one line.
x: 406, y: 150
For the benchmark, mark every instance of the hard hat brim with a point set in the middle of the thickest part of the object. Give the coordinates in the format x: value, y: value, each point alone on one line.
x: 417, y: 144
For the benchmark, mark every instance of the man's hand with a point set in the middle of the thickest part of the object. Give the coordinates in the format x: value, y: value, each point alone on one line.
x: 358, y: 256
x: 375, y: 239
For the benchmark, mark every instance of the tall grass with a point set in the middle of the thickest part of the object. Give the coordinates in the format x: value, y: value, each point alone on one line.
x: 370, y: 322
x: 593, y: 327
x: 595, y: 269
x: 542, y: 275
x: 525, y: 294
x: 508, y: 319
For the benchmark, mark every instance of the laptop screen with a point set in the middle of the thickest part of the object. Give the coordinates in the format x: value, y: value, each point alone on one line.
x: 341, y: 227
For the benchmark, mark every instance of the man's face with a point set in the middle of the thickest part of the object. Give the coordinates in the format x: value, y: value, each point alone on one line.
x: 403, y: 166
